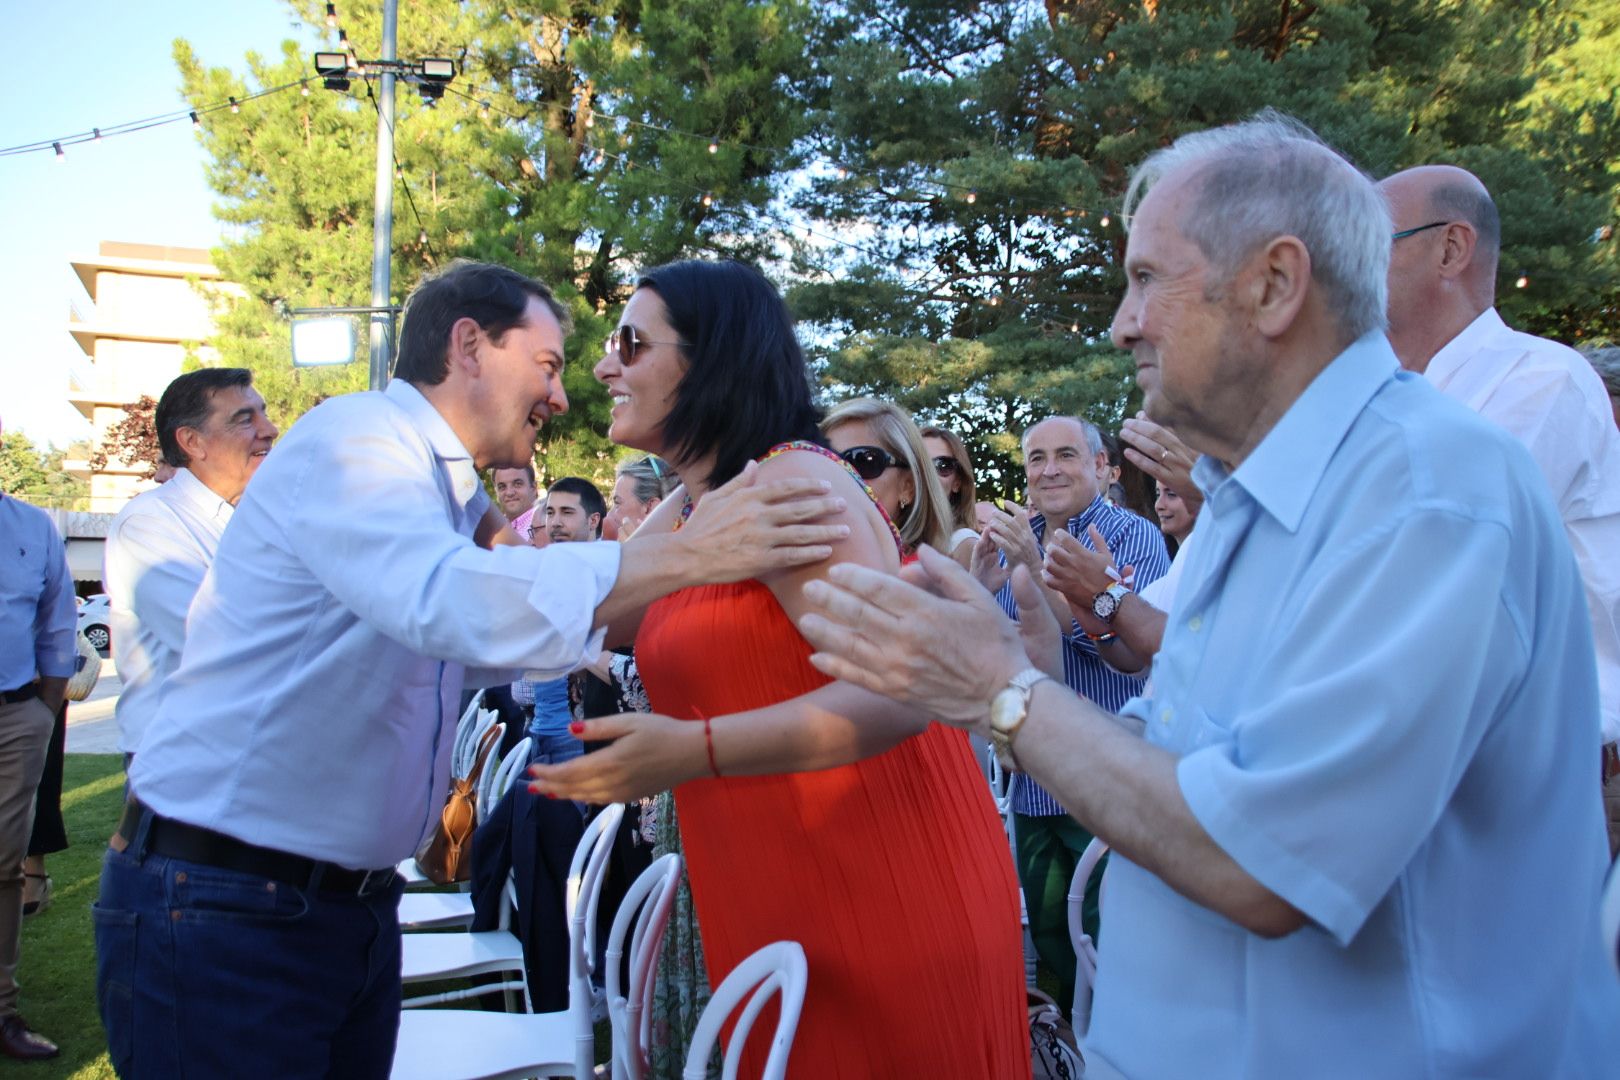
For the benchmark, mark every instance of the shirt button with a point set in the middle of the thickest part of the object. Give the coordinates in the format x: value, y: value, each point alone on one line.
x: 1164, y: 717
x: 1196, y: 623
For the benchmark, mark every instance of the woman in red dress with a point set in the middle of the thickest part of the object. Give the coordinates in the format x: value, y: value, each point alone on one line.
x: 888, y: 863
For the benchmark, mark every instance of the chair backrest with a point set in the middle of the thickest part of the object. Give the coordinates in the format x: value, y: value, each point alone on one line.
x: 498, y: 778
x: 472, y: 718
x: 584, y: 893
x: 1085, y: 950
x: 646, y: 906
x: 776, y: 967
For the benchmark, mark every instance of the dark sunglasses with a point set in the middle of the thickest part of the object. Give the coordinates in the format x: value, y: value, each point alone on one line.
x: 945, y: 466
x: 869, y: 462
x: 626, y: 344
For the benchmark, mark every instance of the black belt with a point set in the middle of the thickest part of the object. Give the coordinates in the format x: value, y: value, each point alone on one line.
x: 25, y: 692
x: 178, y: 840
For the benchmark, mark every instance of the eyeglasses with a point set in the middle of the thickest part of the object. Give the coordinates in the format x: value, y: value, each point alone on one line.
x: 1404, y: 233
x: 945, y: 466
x: 869, y: 462
x: 626, y: 343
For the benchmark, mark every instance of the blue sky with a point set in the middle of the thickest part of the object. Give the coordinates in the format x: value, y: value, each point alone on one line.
x: 75, y: 66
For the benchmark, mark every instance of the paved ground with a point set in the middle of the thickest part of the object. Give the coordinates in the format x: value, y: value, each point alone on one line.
x: 91, y: 728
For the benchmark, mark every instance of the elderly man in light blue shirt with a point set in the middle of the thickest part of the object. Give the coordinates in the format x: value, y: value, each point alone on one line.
x: 1358, y: 837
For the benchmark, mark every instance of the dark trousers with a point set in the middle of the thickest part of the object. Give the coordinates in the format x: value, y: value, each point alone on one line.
x: 1048, y: 850
x: 209, y: 972
x: 50, y: 832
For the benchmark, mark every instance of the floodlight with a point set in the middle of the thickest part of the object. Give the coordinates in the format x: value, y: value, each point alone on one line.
x: 322, y: 342
x: 331, y: 63
x: 438, y: 70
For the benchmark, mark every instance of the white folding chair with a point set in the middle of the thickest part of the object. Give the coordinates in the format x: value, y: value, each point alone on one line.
x: 647, y: 904
x: 1609, y: 916
x: 776, y: 967
x: 440, y: 1044
x: 442, y: 910
x: 1085, y: 949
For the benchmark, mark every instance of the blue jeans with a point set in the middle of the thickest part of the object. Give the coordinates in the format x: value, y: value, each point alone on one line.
x: 555, y: 749
x: 209, y: 972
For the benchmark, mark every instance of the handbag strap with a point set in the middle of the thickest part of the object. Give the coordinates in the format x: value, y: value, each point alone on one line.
x: 485, y: 744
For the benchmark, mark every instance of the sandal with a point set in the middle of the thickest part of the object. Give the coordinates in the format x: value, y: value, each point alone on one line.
x: 34, y: 907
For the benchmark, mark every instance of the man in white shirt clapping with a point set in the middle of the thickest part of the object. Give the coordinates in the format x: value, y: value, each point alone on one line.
x: 213, y: 432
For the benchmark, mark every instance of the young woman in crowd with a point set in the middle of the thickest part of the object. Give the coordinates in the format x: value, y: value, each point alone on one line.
x: 882, y: 444
x: 955, y: 470
x: 888, y: 862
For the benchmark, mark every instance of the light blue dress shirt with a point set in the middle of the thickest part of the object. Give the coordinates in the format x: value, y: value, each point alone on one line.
x: 314, y: 705
x: 1379, y: 680
x: 158, y: 549
x: 37, y: 614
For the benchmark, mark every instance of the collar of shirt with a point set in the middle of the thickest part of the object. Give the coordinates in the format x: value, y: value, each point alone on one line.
x: 185, y: 485
x: 1283, y: 472
x: 1460, y: 349
x: 446, y: 446
x: 1076, y: 525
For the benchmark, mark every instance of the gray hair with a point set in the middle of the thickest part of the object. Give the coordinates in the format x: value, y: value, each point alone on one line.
x: 1094, y: 439
x: 1271, y: 176
x: 1606, y: 362
x: 652, y: 476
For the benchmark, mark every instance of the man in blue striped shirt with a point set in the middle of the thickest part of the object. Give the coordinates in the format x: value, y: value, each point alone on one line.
x: 1062, y: 459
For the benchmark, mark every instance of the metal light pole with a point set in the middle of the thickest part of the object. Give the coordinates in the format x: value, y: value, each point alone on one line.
x: 382, y: 228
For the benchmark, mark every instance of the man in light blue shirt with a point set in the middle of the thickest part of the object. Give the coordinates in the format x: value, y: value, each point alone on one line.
x: 1359, y: 837
x: 37, y: 656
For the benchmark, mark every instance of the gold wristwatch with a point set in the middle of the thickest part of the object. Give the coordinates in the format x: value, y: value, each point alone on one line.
x: 1008, y: 709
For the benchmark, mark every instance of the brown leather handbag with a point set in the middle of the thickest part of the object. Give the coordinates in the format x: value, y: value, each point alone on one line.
x: 446, y: 855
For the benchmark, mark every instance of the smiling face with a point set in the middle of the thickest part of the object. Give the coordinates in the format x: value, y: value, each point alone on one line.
x: 1173, y: 517
x: 643, y: 386
x: 1197, y: 368
x: 515, y: 490
x: 1059, y: 468
x: 894, y: 487
x: 518, y: 387
x: 627, y: 512
x: 226, y: 451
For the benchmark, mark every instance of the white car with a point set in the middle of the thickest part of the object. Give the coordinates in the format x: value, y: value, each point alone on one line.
x: 93, y: 620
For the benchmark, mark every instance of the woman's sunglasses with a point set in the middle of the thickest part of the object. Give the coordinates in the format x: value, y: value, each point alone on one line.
x: 945, y: 466
x: 869, y: 462
x: 626, y: 344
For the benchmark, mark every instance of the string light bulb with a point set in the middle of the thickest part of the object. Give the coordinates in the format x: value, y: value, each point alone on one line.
x: 331, y: 14
x: 1522, y: 282
x: 61, y: 155
x: 708, y: 200
x: 343, y: 40
x: 235, y: 108
x: 843, y: 173
x: 483, y: 109
x: 714, y: 148
x: 1074, y: 328
x: 97, y: 133
x: 972, y: 197
x: 195, y: 122
x: 421, y: 237
x: 1103, y: 221
x: 303, y: 90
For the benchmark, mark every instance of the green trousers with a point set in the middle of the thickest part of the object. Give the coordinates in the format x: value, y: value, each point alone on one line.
x: 1048, y: 850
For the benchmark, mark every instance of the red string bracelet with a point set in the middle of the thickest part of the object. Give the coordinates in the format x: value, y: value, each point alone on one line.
x: 708, y: 742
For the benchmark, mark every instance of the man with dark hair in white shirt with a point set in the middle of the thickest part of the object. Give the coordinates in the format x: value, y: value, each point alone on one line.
x: 213, y: 431
x: 248, y: 908
x: 1443, y: 325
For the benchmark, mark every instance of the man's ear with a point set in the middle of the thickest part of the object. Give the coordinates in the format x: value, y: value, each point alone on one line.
x: 192, y: 443
x: 596, y: 525
x: 1283, y: 269
x: 464, y: 333
x: 1457, y: 249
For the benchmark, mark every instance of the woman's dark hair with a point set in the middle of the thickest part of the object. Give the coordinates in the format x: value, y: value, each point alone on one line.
x: 739, y: 340
x: 494, y: 297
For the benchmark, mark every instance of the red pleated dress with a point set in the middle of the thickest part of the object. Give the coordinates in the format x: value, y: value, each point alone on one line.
x: 893, y: 873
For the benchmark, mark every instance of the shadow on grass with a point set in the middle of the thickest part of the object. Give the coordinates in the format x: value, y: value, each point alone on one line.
x: 58, y: 969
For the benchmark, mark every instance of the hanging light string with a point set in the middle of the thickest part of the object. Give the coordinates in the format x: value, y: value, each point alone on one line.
x: 190, y: 112
x: 399, y: 173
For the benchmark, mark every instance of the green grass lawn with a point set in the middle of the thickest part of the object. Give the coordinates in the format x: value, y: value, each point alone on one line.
x: 58, y: 969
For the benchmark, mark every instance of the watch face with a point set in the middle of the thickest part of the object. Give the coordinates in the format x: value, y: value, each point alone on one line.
x: 1103, y: 605
x: 1006, y: 709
